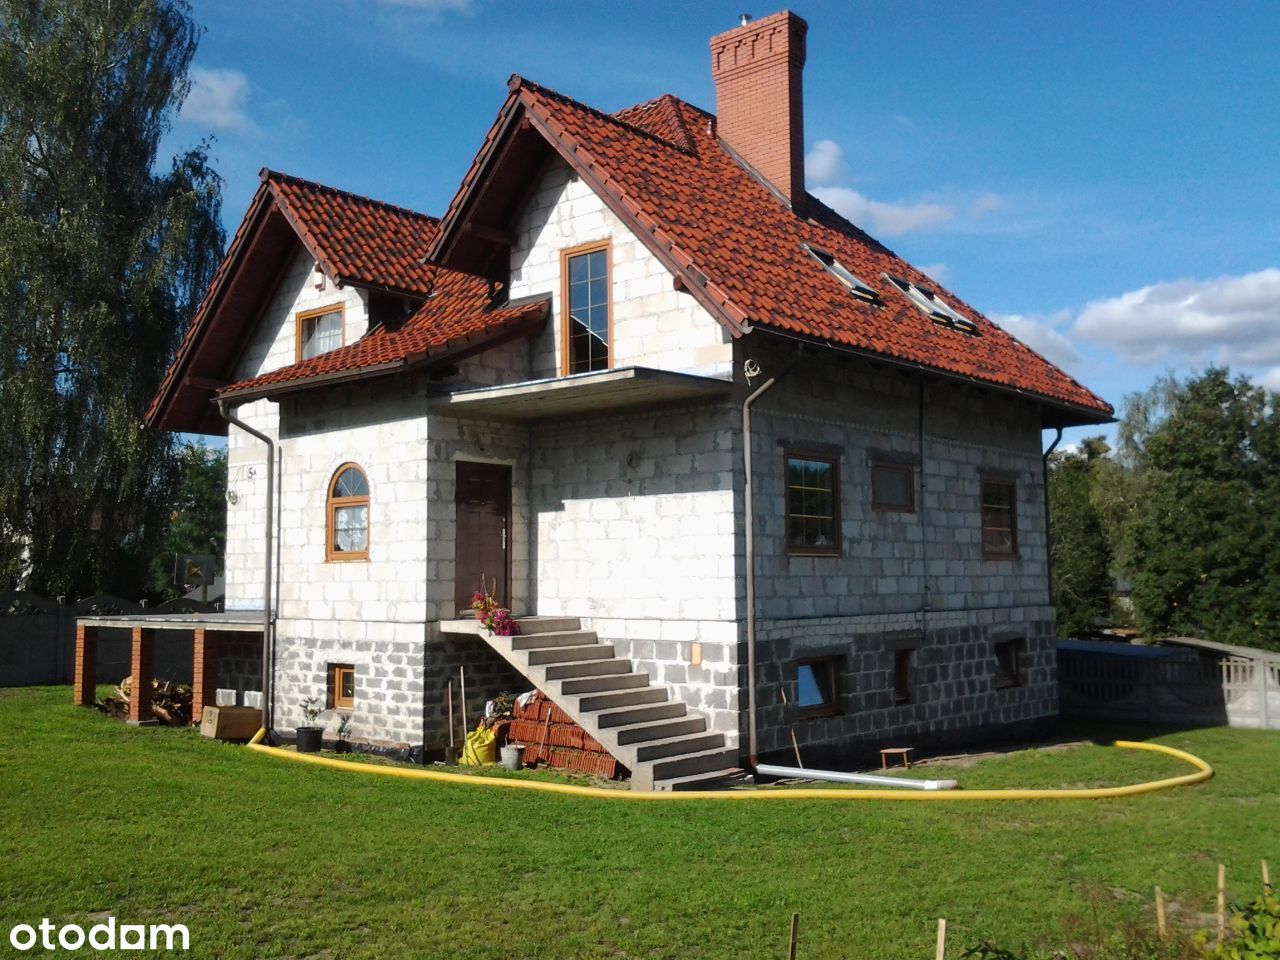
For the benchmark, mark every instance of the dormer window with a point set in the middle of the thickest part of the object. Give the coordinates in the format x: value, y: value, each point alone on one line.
x: 843, y: 274
x: 320, y: 331
x: 933, y: 306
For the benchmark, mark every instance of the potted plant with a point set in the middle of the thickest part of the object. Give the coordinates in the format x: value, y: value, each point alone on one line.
x: 501, y: 623
x: 482, y: 602
x: 309, y: 734
x: 344, y: 734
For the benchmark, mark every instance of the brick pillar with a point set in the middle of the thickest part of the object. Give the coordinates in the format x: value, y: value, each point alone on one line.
x: 204, y: 671
x: 86, y: 675
x: 140, y: 674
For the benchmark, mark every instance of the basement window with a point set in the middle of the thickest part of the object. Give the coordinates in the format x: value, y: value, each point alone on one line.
x: 1008, y: 663
x: 902, y: 676
x: 843, y: 274
x: 342, y: 686
x: 934, y: 307
x: 817, y: 687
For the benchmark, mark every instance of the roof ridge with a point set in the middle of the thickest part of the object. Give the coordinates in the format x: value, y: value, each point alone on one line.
x: 518, y: 82
x: 672, y: 103
x: 268, y: 175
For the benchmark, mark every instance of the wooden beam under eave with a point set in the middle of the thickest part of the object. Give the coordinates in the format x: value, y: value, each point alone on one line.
x: 504, y: 237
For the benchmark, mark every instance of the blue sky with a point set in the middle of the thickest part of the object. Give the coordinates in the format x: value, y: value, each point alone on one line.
x: 1101, y: 178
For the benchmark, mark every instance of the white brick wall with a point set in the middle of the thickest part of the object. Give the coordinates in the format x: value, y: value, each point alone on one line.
x: 653, y: 325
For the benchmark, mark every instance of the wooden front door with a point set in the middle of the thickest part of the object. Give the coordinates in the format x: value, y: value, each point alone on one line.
x: 482, y: 543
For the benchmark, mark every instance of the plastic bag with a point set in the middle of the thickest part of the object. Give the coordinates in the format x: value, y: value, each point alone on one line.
x: 480, y: 750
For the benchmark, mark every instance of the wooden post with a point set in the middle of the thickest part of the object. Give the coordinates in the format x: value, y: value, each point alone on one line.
x: 1222, y: 903
x: 942, y: 939
x: 795, y: 936
x: 450, y: 758
x: 794, y: 745
x: 462, y: 681
x: 1266, y: 879
x: 1160, y: 927
x: 86, y: 676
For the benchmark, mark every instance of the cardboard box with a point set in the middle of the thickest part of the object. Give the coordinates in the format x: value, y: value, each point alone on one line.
x: 230, y: 723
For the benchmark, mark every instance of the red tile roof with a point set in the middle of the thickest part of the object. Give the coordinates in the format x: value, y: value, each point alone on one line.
x: 739, y: 249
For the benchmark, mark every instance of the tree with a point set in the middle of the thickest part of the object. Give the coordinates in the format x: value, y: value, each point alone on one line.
x: 102, y: 259
x: 197, y: 519
x: 1081, y: 544
x: 1203, y: 544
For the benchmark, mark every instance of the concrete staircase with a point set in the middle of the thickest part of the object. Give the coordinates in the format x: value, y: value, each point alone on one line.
x: 662, y: 743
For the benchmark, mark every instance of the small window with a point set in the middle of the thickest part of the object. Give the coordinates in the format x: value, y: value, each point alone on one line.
x: 1008, y: 663
x: 342, y: 686
x: 586, y: 293
x: 817, y: 687
x: 813, y: 505
x: 348, y: 526
x: 893, y: 486
x: 902, y: 675
x: 843, y: 274
x: 320, y: 331
x: 934, y: 307
x: 999, y: 518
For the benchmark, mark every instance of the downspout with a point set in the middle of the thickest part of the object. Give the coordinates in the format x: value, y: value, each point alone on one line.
x: 231, y: 418
x: 750, y: 369
x: 1048, y: 544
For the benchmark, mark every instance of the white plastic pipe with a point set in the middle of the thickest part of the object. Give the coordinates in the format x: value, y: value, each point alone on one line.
x: 870, y: 779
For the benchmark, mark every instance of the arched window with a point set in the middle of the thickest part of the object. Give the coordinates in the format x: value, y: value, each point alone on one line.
x: 347, y: 537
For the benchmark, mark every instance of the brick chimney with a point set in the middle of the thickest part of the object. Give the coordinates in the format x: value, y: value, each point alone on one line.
x: 757, y: 69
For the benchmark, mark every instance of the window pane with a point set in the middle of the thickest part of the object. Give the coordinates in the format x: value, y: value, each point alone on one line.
x: 348, y: 680
x: 588, y: 313
x: 811, y: 503
x: 809, y: 692
x: 321, y: 334
x: 892, y: 486
x: 350, y: 529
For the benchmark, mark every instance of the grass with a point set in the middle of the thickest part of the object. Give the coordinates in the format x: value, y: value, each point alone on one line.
x: 264, y: 858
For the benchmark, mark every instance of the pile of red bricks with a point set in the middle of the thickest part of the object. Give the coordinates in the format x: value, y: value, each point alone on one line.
x: 550, y: 736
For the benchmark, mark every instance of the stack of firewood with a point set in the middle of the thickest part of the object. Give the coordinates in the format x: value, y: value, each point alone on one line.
x: 170, y: 702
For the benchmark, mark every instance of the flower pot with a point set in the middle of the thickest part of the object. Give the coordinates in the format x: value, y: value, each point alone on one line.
x: 309, y: 739
x: 342, y: 746
x: 513, y: 756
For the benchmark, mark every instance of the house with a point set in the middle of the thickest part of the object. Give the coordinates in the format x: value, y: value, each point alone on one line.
x: 747, y: 472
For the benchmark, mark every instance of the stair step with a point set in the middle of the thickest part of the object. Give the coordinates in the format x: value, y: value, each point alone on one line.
x: 678, y: 766
x: 628, y: 716
x: 554, y: 638
x: 643, y: 732
x: 619, y: 681
x: 678, y: 746
x: 614, y: 699
x: 587, y: 668
x: 548, y: 624
x: 725, y: 777
x: 595, y: 651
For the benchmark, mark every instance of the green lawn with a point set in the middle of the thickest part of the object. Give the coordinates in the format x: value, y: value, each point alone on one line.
x: 264, y: 858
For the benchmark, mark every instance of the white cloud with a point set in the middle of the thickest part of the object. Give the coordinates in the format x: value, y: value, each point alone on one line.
x: 218, y: 99
x: 884, y: 219
x: 1042, y: 335
x: 1229, y: 320
x: 1269, y: 379
x: 985, y: 203
x: 824, y: 164
x: 935, y: 271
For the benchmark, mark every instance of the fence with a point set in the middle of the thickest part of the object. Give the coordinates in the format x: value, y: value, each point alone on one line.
x: 1201, y: 685
x: 38, y: 637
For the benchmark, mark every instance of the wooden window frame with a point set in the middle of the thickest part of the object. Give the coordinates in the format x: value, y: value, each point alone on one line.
x: 301, y: 316
x: 332, y: 504
x: 337, y: 701
x: 1007, y: 679
x: 881, y: 462
x: 829, y: 665
x: 565, y: 256
x: 1004, y: 481
x: 799, y: 453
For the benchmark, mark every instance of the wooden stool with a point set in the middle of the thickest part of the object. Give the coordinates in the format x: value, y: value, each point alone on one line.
x: 903, y: 752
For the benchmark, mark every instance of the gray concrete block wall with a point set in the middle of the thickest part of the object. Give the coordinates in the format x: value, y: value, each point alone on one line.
x: 953, y: 693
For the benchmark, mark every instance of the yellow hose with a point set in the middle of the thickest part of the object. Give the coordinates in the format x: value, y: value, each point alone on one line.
x: 1203, y: 772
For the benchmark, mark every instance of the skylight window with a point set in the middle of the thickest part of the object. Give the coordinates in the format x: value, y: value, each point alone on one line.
x: 843, y: 274
x: 934, y: 307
